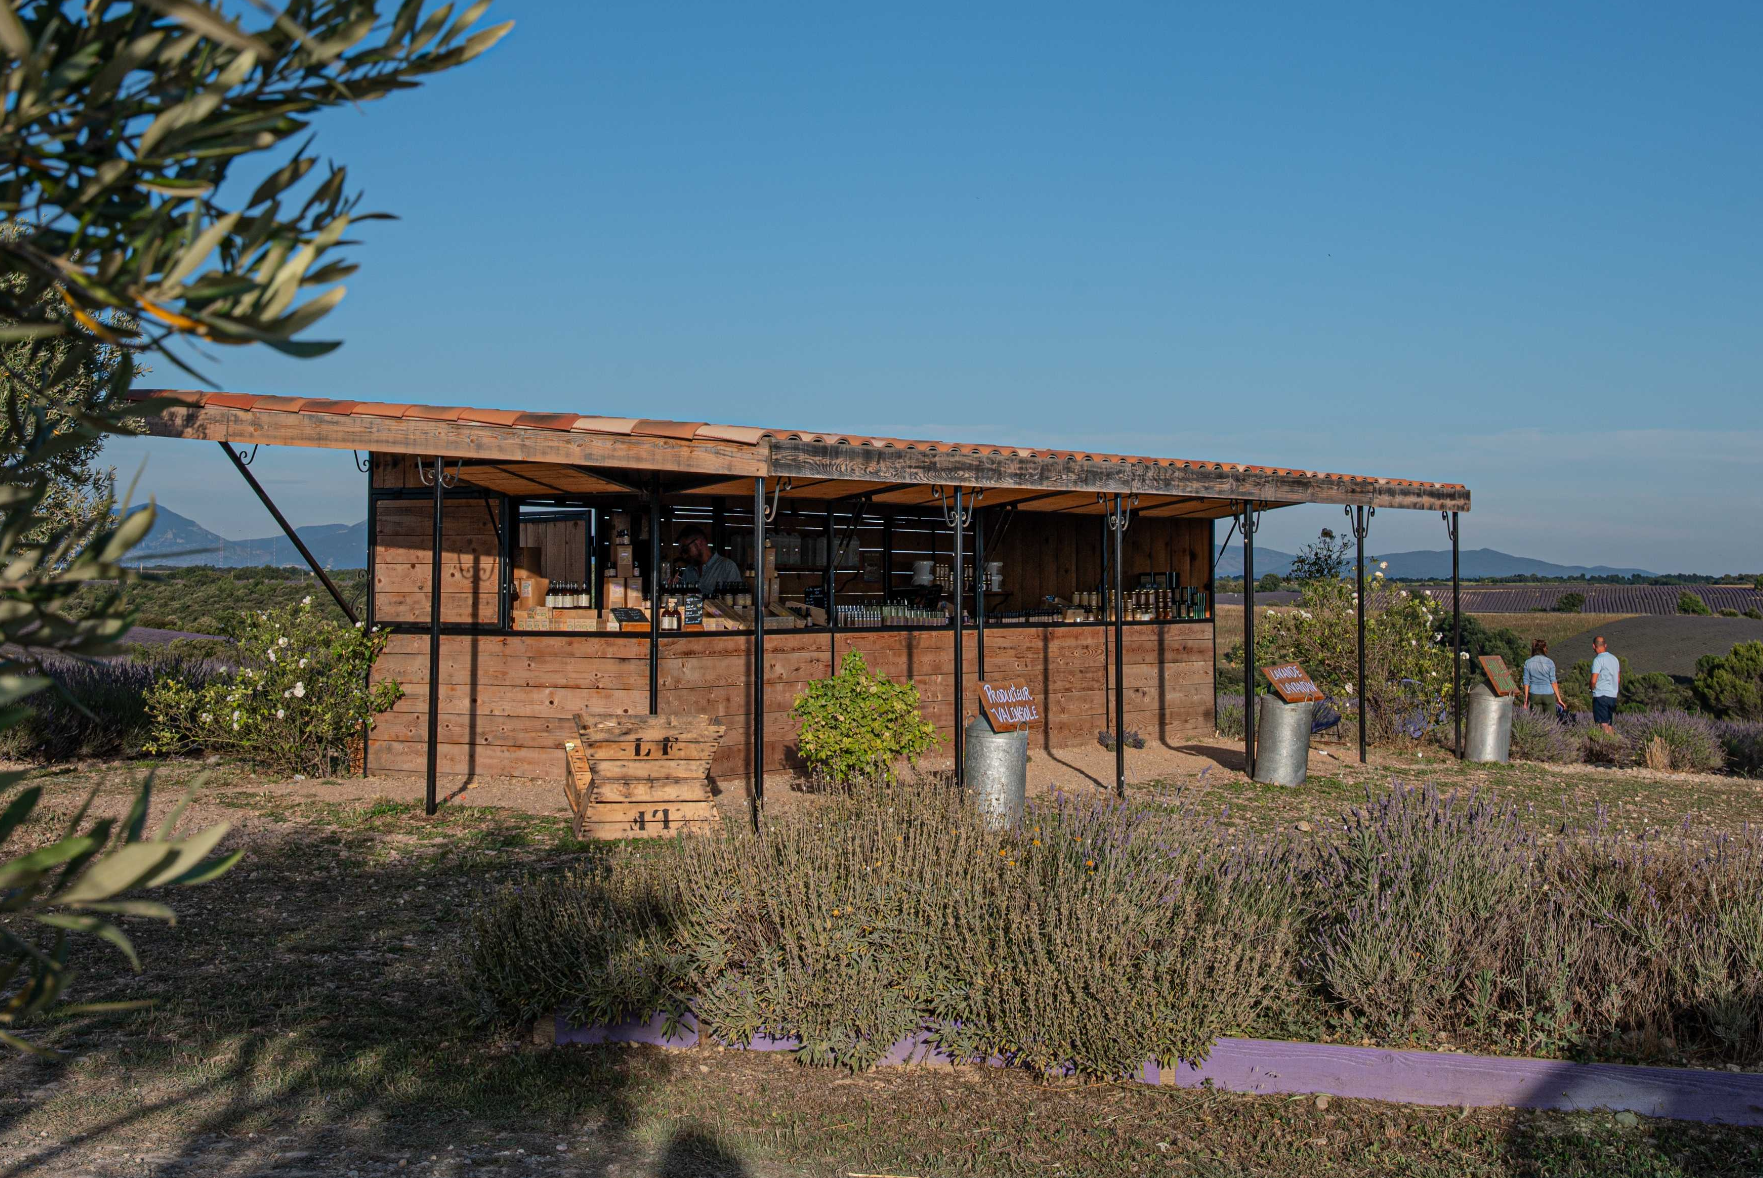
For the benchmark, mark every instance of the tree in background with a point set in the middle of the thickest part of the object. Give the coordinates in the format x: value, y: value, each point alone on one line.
x: 1731, y: 685
x: 1570, y: 603
x: 120, y: 126
x: 1268, y: 583
x: 1323, y: 559
x: 1692, y: 603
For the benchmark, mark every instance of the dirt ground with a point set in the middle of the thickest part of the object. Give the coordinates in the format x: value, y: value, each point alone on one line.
x: 311, y: 1018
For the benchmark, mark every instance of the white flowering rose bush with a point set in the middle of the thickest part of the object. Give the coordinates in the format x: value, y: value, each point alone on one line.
x: 1409, y: 673
x: 297, y: 701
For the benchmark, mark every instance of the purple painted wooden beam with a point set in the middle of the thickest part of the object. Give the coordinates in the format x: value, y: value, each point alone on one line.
x: 1438, y: 1078
x: 1270, y: 1067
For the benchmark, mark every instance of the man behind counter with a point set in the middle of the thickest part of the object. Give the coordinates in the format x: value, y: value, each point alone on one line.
x: 700, y: 566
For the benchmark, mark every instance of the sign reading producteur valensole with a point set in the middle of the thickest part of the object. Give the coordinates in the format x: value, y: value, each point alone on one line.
x: 1009, y: 706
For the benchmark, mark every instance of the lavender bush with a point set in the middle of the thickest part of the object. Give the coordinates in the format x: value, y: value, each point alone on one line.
x: 1690, y: 740
x: 1540, y: 737
x: 1096, y: 936
x: 1230, y: 716
x: 98, y: 707
x: 1742, y: 741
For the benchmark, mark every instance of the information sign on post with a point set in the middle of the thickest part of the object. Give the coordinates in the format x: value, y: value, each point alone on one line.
x: 1009, y: 707
x: 1499, y: 675
x: 1293, y: 683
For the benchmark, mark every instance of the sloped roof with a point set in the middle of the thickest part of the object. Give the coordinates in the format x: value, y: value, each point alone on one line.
x: 793, y: 441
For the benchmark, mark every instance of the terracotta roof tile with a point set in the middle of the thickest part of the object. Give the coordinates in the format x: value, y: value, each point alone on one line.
x: 491, y: 416
x: 342, y: 407
x: 433, y: 413
x: 381, y: 409
x: 683, y: 430
x: 556, y: 421
x: 604, y: 425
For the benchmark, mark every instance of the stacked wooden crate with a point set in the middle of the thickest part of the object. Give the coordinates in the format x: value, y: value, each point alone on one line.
x: 640, y: 776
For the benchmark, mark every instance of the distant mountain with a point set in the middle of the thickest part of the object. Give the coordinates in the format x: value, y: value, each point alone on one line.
x: 179, y: 540
x: 1267, y: 560
x: 1430, y: 564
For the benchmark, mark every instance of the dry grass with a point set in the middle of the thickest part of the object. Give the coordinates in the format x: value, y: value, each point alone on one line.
x: 1551, y: 628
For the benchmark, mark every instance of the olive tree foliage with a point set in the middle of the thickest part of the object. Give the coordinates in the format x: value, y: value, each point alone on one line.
x: 119, y: 125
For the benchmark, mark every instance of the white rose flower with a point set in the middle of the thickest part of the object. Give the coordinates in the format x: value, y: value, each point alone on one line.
x: 206, y: 717
x: 272, y: 656
x: 281, y: 641
x: 303, y: 664
x: 280, y: 713
x: 235, y: 717
x: 307, y: 600
x: 299, y: 691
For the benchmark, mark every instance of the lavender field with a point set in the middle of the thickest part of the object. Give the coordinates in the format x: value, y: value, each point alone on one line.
x: 1601, y: 599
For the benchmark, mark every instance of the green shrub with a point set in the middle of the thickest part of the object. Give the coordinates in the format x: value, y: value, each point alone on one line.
x: 1481, y: 640
x: 1570, y: 603
x: 296, y: 702
x: 1653, y: 691
x: 858, y: 725
x: 1754, y: 612
x: 1409, y: 673
x: 1690, y: 603
x: 1731, y: 684
x: 1729, y: 613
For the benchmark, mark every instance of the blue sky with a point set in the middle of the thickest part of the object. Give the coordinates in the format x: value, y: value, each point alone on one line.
x: 1513, y: 248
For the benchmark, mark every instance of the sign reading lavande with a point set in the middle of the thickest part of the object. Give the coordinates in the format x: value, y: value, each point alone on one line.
x: 1293, y: 683
x: 1009, y: 706
x: 1499, y: 675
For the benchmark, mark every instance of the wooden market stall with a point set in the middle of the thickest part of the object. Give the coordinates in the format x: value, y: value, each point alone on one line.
x: 528, y: 567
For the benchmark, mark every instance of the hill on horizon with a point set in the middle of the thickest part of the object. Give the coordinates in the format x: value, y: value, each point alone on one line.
x: 179, y: 541
x: 1433, y: 564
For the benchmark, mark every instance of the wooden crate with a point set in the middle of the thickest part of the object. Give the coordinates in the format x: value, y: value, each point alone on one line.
x: 640, y: 776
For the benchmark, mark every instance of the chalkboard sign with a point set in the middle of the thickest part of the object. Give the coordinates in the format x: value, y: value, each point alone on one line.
x: 1293, y: 683
x: 1009, y: 706
x: 1499, y: 674
x: 624, y: 615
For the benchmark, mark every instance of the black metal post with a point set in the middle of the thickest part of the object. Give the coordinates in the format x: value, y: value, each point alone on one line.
x: 1361, y: 517
x: 1119, y: 525
x: 832, y: 611
x: 887, y: 561
x: 434, y: 748
x: 293, y: 536
x: 372, y: 570
x: 955, y: 595
x: 758, y: 648
x: 1249, y: 526
x: 1456, y: 639
x: 655, y: 594
x: 979, y: 594
x: 1211, y: 565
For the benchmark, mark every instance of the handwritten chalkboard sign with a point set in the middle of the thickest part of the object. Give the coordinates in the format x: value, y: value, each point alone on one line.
x: 1499, y: 674
x: 1293, y: 683
x: 1009, y: 706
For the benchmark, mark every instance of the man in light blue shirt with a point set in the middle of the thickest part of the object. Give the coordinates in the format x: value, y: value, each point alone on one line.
x: 1606, y: 682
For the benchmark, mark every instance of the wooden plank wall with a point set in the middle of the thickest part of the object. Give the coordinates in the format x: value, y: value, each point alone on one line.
x: 564, y: 546
x: 471, y: 564
x: 508, y: 701
x: 1053, y: 554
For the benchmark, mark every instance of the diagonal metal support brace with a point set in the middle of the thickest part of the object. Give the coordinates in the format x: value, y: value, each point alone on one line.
x: 288, y: 531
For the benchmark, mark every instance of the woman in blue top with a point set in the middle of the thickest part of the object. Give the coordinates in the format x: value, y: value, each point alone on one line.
x: 1541, y: 689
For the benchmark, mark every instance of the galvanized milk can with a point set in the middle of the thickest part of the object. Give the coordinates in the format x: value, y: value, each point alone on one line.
x: 1487, y: 728
x: 1282, y: 741
x: 996, y: 767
